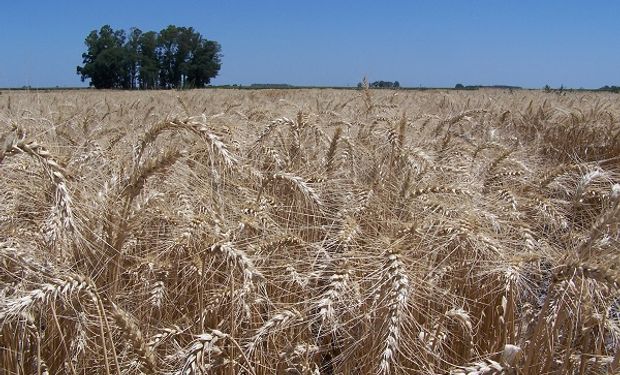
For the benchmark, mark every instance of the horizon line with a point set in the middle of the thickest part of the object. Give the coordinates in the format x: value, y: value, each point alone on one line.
x: 292, y: 86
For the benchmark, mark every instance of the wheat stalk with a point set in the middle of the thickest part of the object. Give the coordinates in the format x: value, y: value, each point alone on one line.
x: 132, y: 333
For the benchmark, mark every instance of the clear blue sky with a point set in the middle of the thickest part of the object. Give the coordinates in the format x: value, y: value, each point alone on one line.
x: 321, y: 42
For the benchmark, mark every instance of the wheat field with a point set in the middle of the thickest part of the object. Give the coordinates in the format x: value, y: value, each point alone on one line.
x: 309, y: 232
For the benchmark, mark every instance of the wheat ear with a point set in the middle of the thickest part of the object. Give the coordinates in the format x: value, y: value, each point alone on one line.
x: 55, y: 172
x: 133, y: 334
x: 66, y: 287
x: 277, y: 322
x: 300, y: 185
x: 398, y: 293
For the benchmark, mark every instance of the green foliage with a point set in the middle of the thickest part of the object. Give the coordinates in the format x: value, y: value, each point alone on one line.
x: 148, y: 61
x: 381, y: 84
x: 610, y: 88
x: 176, y: 57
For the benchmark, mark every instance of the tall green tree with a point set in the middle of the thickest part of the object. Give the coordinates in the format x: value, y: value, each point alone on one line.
x: 186, y: 58
x: 106, y: 63
x: 148, y: 61
x: 132, y: 48
x: 203, y: 64
x: 167, y: 52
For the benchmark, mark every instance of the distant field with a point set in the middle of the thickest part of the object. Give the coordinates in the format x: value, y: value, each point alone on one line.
x: 309, y: 232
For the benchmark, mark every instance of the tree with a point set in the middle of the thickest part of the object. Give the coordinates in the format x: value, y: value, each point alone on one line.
x: 459, y: 86
x: 186, y: 58
x: 148, y: 63
x: 176, y: 57
x: 105, y: 61
x: 203, y: 64
x: 167, y: 50
x: 110, y: 69
x: 133, y: 52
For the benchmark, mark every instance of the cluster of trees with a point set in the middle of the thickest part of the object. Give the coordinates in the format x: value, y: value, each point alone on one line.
x: 385, y: 84
x: 460, y: 86
x: 610, y: 88
x: 175, y: 57
x: 548, y: 88
x: 381, y: 84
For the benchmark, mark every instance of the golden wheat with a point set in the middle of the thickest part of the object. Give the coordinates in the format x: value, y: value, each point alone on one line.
x: 309, y: 232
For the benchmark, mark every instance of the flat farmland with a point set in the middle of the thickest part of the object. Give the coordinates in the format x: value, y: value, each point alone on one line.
x: 312, y: 231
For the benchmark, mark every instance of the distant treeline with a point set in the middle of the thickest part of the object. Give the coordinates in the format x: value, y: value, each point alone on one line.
x: 381, y: 84
x: 175, y: 57
x: 610, y: 88
x: 257, y: 86
x: 271, y: 86
x: 460, y: 86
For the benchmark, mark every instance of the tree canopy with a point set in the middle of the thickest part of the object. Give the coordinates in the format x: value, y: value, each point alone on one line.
x: 175, y: 57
